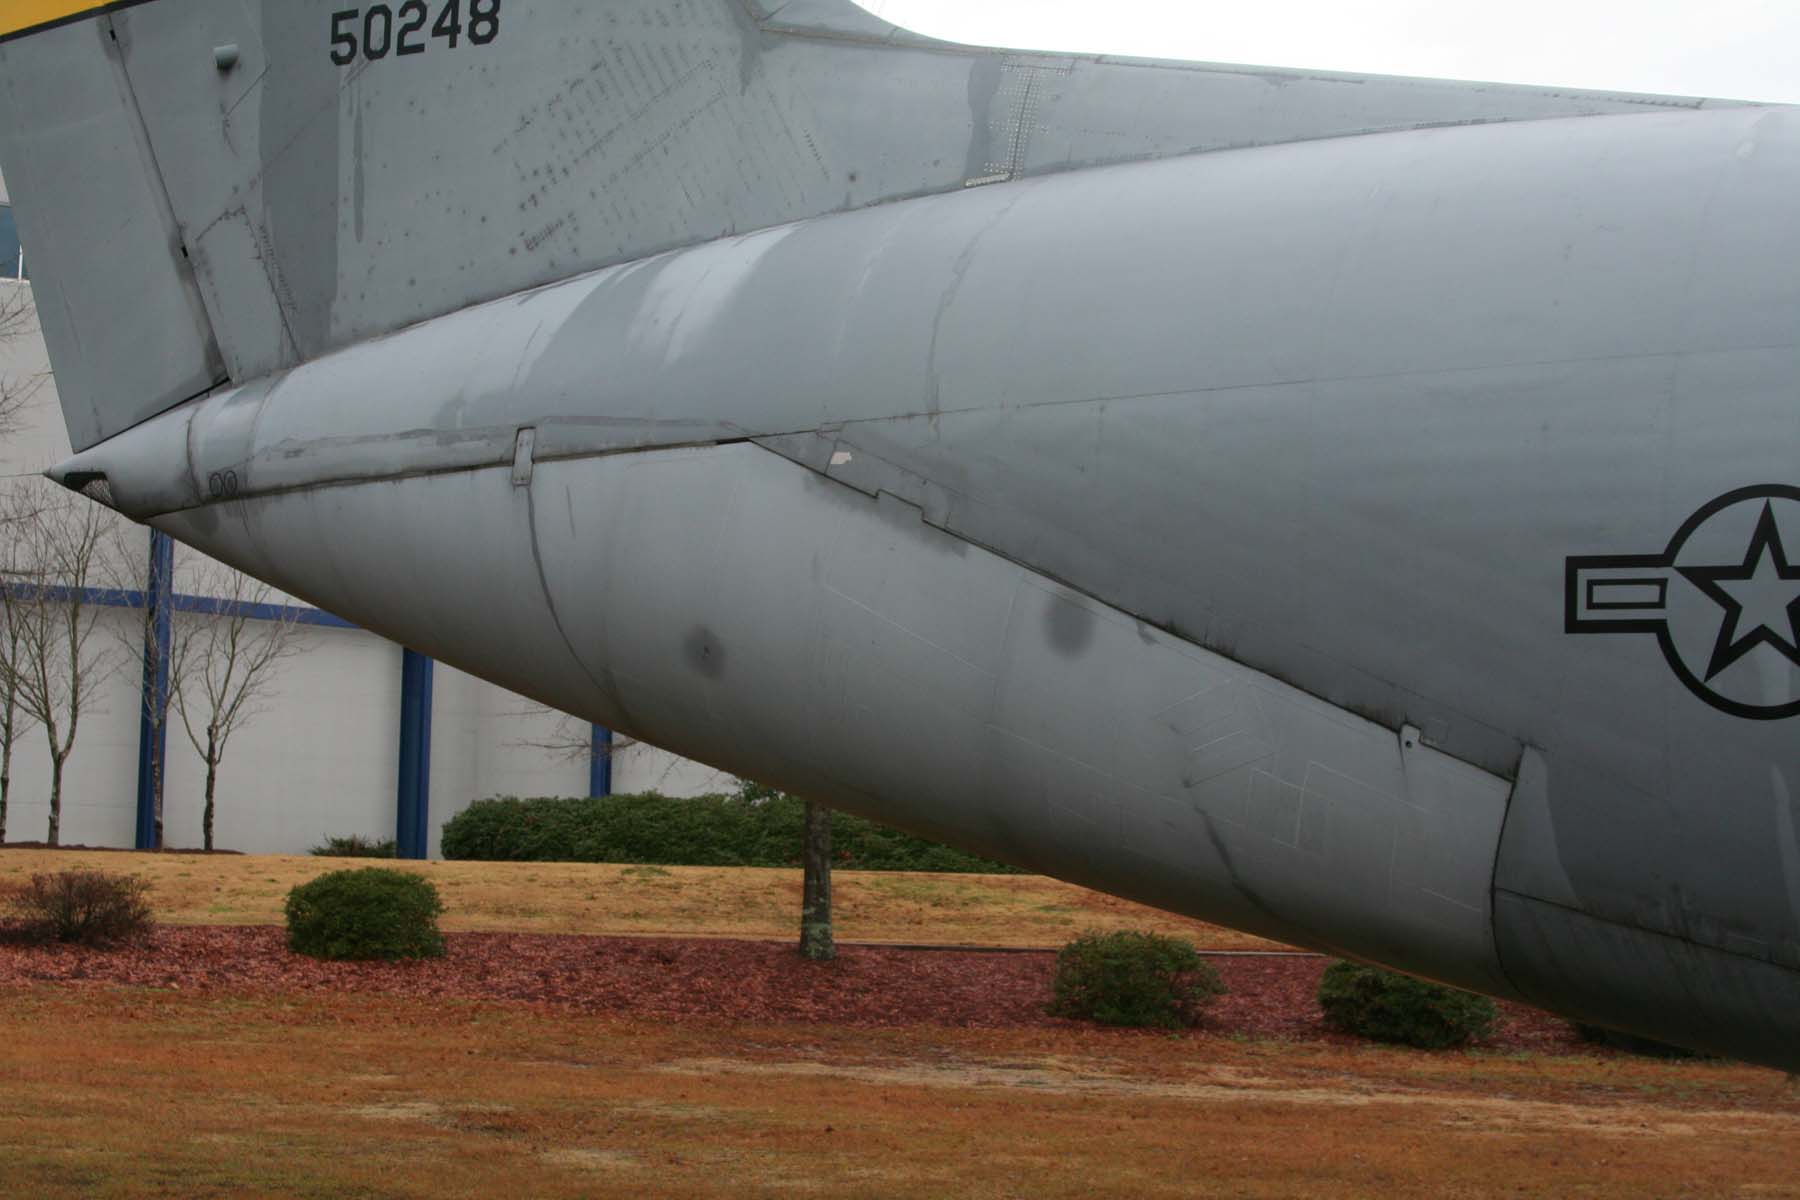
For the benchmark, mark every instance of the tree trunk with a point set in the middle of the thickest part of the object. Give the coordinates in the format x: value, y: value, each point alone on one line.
x: 815, y: 886
x: 212, y: 774
x: 156, y: 793
x: 6, y: 744
x: 55, y: 835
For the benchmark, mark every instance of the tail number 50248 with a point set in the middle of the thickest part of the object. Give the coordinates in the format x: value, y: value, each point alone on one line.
x: 379, y: 30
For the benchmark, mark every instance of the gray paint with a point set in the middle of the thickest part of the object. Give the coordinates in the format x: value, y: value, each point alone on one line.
x: 1111, y: 520
x: 738, y: 608
x: 316, y: 215
x: 115, y: 298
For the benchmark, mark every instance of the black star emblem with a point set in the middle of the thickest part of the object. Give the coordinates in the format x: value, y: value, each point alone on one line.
x: 1762, y: 594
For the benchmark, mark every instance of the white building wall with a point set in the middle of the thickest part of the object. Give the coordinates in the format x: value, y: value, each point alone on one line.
x: 486, y: 741
x: 100, y: 777
x: 323, y: 758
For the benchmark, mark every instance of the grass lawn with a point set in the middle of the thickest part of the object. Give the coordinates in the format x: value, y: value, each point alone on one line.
x: 745, y: 902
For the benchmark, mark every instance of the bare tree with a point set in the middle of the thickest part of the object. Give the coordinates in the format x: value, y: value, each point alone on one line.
x: 13, y: 720
x: 16, y: 320
x: 15, y: 577
x: 570, y: 739
x: 131, y: 568
x: 222, y: 665
x: 58, y: 546
x: 15, y: 394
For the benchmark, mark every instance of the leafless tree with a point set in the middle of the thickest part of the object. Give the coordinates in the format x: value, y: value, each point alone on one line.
x: 15, y: 394
x: 570, y: 739
x: 15, y: 575
x: 58, y: 545
x: 222, y: 664
x: 16, y: 321
x: 129, y: 570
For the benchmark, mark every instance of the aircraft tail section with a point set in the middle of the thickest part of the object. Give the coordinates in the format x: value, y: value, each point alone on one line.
x: 214, y: 190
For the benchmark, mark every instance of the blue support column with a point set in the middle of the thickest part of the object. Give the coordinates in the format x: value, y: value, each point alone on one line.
x: 600, y: 763
x: 412, y: 816
x: 153, y: 711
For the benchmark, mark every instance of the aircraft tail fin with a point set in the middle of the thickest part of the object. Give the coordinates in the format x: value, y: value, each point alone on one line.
x: 212, y: 190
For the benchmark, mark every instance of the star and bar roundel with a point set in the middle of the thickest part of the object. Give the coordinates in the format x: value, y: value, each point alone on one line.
x: 1723, y: 600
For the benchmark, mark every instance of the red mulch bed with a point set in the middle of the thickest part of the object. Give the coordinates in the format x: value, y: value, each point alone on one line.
x: 703, y: 979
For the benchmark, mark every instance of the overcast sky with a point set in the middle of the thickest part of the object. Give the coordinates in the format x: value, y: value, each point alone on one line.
x: 1735, y: 49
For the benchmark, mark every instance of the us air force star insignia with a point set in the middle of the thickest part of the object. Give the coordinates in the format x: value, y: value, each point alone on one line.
x: 1723, y: 601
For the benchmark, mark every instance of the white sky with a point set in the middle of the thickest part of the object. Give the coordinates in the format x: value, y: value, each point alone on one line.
x: 1732, y: 49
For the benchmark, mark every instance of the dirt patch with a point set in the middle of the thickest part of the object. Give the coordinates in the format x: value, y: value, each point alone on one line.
x: 408, y: 1110
x: 591, y: 1159
x: 1224, y: 1085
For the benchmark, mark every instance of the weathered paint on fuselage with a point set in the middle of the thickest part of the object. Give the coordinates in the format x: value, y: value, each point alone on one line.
x: 1196, y: 529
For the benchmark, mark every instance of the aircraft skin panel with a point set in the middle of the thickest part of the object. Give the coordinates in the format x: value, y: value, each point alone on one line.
x: 334, y: 177
x: 833, y: 643
x: 1379, y: 524
x: 115, y: 297
x: 1621, y: 977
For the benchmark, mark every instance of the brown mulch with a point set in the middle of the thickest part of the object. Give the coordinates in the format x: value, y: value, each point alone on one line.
x: 703, y: 979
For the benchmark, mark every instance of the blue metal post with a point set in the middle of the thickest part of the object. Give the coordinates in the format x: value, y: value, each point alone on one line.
x: 413, y: 810
x: 600, y: 763
x: 153, y: 726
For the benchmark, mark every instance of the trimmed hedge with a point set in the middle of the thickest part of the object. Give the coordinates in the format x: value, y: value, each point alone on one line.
x: 756, y: 827
x: 374, y: 912
x: 1134, y: 979
x: 1386, y: 1006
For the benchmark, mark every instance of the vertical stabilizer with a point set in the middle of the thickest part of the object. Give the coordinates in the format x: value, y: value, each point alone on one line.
x: 116, y: 296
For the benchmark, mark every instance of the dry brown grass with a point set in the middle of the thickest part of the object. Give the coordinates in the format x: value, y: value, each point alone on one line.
x: 871, y: 906
x: 143, y: 1093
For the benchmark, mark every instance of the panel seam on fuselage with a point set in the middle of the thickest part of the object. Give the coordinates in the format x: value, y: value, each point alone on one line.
x: 1644, y: 929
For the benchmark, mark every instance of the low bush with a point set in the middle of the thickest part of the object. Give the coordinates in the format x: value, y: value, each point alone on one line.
x: 1386, y: 1006
x: 1136, y: 979
x: 355, y: 846
x: 90, y: 908
x: 373, y: 912
x: 756, y: 827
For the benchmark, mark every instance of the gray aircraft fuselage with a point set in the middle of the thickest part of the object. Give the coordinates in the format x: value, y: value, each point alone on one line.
x: 1387, y: 543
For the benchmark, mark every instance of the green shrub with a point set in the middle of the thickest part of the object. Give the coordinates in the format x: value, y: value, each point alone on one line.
x: 374, y: 912
x: 1389, y: 1007
x: 91, y: 908
x: 1135, y: 979
x: 756, y: 827
x: 356, y: 846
